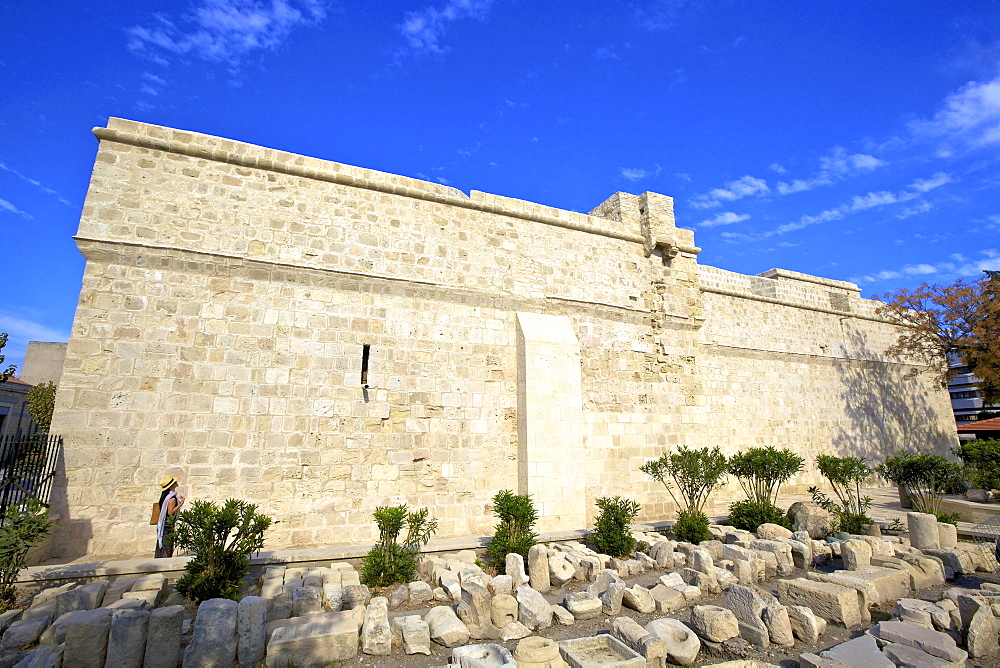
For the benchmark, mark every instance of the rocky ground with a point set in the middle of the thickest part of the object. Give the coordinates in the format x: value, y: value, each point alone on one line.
x: 755, y: 598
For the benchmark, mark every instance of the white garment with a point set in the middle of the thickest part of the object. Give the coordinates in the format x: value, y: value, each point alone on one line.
x: 163, y: 518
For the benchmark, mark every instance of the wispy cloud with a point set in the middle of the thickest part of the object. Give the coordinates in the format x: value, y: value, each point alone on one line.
x: 746, y: 186
x: 606, y: 53
x: 424, y: 28
x: 970, y: 116
x: 858, y: 203
x: 7, y: 206
x: 27, y: 179
x: 916, y: 209
x: 777, y: 168
x: 726, y: 218
x: 638, y: 173
x: 661, y: 14
x: 959, y: 266
x: 836, y: 166
x: 223, y: 30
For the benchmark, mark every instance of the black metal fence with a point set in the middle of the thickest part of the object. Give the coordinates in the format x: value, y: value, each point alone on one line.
x: 27, y: 469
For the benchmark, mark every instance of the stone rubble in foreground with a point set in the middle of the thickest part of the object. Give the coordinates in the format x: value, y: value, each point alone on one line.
x: 318, y: 616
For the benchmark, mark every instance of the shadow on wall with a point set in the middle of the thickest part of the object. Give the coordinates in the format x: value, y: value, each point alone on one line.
x: 888, y: 406
x: 70, y: 538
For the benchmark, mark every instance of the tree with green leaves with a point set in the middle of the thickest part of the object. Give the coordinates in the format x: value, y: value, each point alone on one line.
x: 515, y: 531
x: 846, y: 475
x: 761, y: 472
x: 961, y: 319
x: 696, y: 473
x: 390, y: 562
x: 24, y: 525
x: 612, y: 534
x: 5, y: 374
x: 41, y: 403
x: 924, y: 477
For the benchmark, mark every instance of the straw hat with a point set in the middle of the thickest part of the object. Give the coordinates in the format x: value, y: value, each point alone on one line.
x: 167, y: 482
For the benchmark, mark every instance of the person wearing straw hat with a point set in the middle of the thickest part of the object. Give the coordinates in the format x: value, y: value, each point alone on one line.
x: 170, y: 503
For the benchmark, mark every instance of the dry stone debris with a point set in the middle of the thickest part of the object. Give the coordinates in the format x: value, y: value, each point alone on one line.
x: 933, y: 642
x: 538, y: 568
x: 770, y: 531
x: 319, y: 643
x: 611, y: 599
x: 24, y: 632
x: 482, y: 656
x: 445, y: 626
x: 714, y: 623
x: 834, y: 603
x: 923, y: 531
x: 861, y: 651
x: 779, y: 627
x: 806, y: 625
x: 532, y: 609
x: 414, y: 634
x: 514, y: 631
x: 515, y: 569
x: 653, y: 648
x: 214, y: 640
x: 583, y: 605
x: 127, y: 638
x: 163, y: 637
x: 376, y: 634
x: 503, y: 610
x: 683, y: 644
x: 639, y: 599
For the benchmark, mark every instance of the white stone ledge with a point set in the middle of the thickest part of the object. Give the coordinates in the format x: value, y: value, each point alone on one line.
x: 201, y: 146
x: 784, y: 302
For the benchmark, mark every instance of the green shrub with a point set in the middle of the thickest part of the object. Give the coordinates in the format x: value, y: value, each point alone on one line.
x: 24, y: 526
x: 612, y: 535
x: 696, y: 472
x: 749, y: 515
x: 949, y: 518
x: 846, y: 475
x: 515, y: 531
x: 222, y: 540
x: 924, y: 476
x: 982, y: 462
x: 692, y: 526
x: 389, y: 562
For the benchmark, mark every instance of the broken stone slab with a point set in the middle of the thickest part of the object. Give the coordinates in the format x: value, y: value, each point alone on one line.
x: 476, y: 611
x: 87, y: 639
x: 923, y: 531
x: 482, y: 656
x: 502, y: 584
x: 127, y: 638
x: 601, y: 650
x: 862, y: 651
x: 314, y: 644
x: 809, y: 660
x: 376, y: 634
x: 56, y: 631
x: 24, y: 632
x: 562, y: 616
x: 784, y: 564
x: 46, y: 656
x: 683, y: 644
x: 538, y: 568
x: 769, y: 531
x: 714, y: 623
x: 667, y: 599
x: 445, y: 627
x: 583, y: 605
x: 515, y: 569
x: 779, y: 627
x: 959, y: 561
x: 503, y: 610
x: 163, y: 637
x: 947, y: 535
x: 533, y: 610
x: 879, y: 585
x: 8, y: 618
x: 251, y: 620
x: 904, y: 655
x: 748, y: 604
x: 934, y: 643
x: 50, y: 593
x: 279, y: 607
x: 806, y: 625
x: 639, y: 599
x: 630, y: 632
x: 214, y: 639
x: 514, y: 631
x: 92, y: 594
x: 980, y: 626
x: 561, y: 571
x: 306, y: 600
x: 611, y: 599
x: 833, y: 602
x: 419, y: 592
x: 399, y: 595
x: 414, y: 633
x: 855, y: 553
x: 355, y: 596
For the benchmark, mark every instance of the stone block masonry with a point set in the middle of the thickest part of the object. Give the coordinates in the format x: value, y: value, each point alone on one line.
x: 234, y: 296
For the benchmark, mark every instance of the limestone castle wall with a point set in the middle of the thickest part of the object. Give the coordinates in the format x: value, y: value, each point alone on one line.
x: 231, y: 294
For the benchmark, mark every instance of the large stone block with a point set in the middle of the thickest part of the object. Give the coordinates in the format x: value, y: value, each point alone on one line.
x: 251, y: 620
x: 127, y: 639
x: 834, y: 603
x: 214, y: 640
x: 87, y: 639
x: 163, y: 637
x: 335, y: 638
x: 923, y: 531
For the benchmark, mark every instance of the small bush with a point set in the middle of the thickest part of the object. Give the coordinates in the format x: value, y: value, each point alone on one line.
x: 642, y: 546
x: 24, y: 526
x: 924, y: 476
x: 949, y: 518
x: 762, y: 471
x: 846, y: 475
x: 612, y: 535
x: 389, y: 562
x: 692, y: 526
x: 515, y: 532
x: 222, y: 540
x: 749, y: 515
x: 982, y: 462
x: 696, y: 472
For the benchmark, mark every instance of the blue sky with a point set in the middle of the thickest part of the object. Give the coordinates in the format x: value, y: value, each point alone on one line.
x: 852, y: 140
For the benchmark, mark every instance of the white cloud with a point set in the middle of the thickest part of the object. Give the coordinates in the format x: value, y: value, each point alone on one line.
x: 424, y: 28
x: 777, y: 169
x: 224, y: 30
x: 918, y: 208
x: 842, y: 164
x: 606, y: 53
x: 872, y: 200
x: 746, y: 186
x: 800, y: 185
x: 971, y: 115
x: 638, y: 173
x: 7, y: 206
x: 935, y: 181
x: 919, y: 269
x: 726, y: 218
x: 948, y: 270
x: 36, y: 183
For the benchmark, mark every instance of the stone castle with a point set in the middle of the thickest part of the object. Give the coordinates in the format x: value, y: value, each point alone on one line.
x: 322, y: 339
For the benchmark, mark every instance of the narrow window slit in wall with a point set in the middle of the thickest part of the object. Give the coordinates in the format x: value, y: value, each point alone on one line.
x: 366, y: 350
